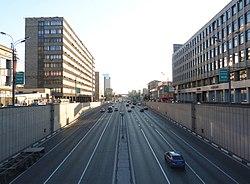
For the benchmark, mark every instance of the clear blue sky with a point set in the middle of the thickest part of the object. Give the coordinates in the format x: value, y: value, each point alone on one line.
x: 132, y: 40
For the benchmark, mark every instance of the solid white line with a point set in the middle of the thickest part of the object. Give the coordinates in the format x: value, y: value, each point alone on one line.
x: 155, y: 157
x: 93, y: 152
x: 69, y: 154
x: 186, y: 161
x: 205, y: 158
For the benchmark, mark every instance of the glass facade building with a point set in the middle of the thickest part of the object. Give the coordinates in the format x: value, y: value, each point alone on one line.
x: 223, y: 44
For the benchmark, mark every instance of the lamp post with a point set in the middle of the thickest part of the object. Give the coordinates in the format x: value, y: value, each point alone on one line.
x: 13, y: 44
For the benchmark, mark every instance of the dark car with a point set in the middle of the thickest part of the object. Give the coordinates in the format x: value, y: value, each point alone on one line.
x: 110, y: 109
x: 174, y: 159
x: 145, y: 108
x: 142, y: 110
x: 102, y: 110
x: 129, y: 110
x: 116, y: 108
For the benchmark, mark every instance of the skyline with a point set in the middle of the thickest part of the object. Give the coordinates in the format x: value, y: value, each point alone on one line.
x: 132, y: 41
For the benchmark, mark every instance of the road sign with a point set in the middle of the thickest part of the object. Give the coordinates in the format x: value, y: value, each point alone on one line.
x: 20, y: 78
x: 223, y: 75
x: 78, y: 90
x: 166, y: 88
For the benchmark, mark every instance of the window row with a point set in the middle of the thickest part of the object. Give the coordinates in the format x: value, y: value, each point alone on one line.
x: 52, y: 56
x: 221, y: 63
x: 52, y: 73
x: 52, y: 47
x: 53, y: 65
x: 49, y: 31
x: 52, y: 81
x: 50, y: 40
x: 50, y: 23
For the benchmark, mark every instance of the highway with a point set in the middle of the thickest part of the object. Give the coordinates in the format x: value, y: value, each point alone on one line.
x: 108, y: 148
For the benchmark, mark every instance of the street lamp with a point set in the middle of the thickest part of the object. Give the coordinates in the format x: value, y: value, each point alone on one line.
x: 13, y: 44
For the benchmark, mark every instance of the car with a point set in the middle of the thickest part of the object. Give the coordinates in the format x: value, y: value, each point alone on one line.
x: 110, y: 109
x: 145, y: 108
x: 174, y: 159
x: 127, y: 104
x: 142, y: 110
x: 132, y: 106
x: 102, y: 110
x: 116, y: 108
x: 129, y: 110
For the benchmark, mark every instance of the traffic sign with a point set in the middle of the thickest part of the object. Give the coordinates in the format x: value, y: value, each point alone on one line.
x: 223, y: 75
x: 20, y: 78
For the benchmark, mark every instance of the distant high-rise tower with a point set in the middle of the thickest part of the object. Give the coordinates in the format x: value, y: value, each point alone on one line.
x: 56, y: 58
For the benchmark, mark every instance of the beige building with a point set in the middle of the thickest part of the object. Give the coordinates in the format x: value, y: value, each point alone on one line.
x: 56, y: 58
x: 5, y: 75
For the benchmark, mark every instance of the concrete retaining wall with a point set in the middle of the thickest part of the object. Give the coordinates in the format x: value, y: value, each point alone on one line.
x: 225, y: 125
x: 20, y: 127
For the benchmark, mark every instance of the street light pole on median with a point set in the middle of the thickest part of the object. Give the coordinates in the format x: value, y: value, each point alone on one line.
x: 13, y: 44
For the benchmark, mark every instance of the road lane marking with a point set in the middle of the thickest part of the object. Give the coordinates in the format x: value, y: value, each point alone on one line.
x: 97, y: 144
x: 155, y: 157
x: 186, y: 162
x: 205, y: 158
x: 70, y: 153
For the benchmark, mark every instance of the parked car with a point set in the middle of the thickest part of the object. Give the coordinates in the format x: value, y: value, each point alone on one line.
x: 174, y: 159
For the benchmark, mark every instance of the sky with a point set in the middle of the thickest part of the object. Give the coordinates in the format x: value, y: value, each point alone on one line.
x: 131, y: 40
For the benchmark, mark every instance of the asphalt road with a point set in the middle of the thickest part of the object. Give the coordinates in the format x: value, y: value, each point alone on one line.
x: 107, y: 148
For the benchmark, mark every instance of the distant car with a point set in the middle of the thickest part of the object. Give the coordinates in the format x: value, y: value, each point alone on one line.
x: 174, y: 159
x: 132, y: 106
x: 145, y: 108
x: 110, y: 109
x: 129, y: 110
x: 116, y: 108
x: 102, y: 110
x: 127, y: 104
x: 142, y: 110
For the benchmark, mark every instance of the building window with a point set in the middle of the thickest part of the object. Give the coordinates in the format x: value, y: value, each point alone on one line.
x: 228, y: 14
x: 235, y: 41
x: 221, y: 63
x: 229, y: 44
x: 247, y: 2
x: 223, y: 17
x: 243, y: 75
x: 225, y: 62
x: 242, y: 56
x: 236, y: 58
x: 240, y: 5
x: 248, y: 17
x: 241, y: 38
x: 241, y: 22
x: 234, y: 26
x: 56, y: 23
x: 248, y: 53
x: 224, y: 32
x: 229, y: 29
x: 234, y: 9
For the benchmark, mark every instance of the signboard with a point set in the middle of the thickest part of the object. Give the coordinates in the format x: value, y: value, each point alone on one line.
x: 78, y: 90
x: 166, y: 88
x: 20, y: 78
x: 223, y: 75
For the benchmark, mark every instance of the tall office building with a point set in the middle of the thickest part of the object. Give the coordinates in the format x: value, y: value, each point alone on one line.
x: 214, y: 64
x: 56, y: 58
x: 99, y: 87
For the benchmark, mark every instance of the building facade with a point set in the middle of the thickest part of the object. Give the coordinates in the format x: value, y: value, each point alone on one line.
x: 99, y: 87
x: 57, y: 59
x: 219, y: 50
x: 5, y: 75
